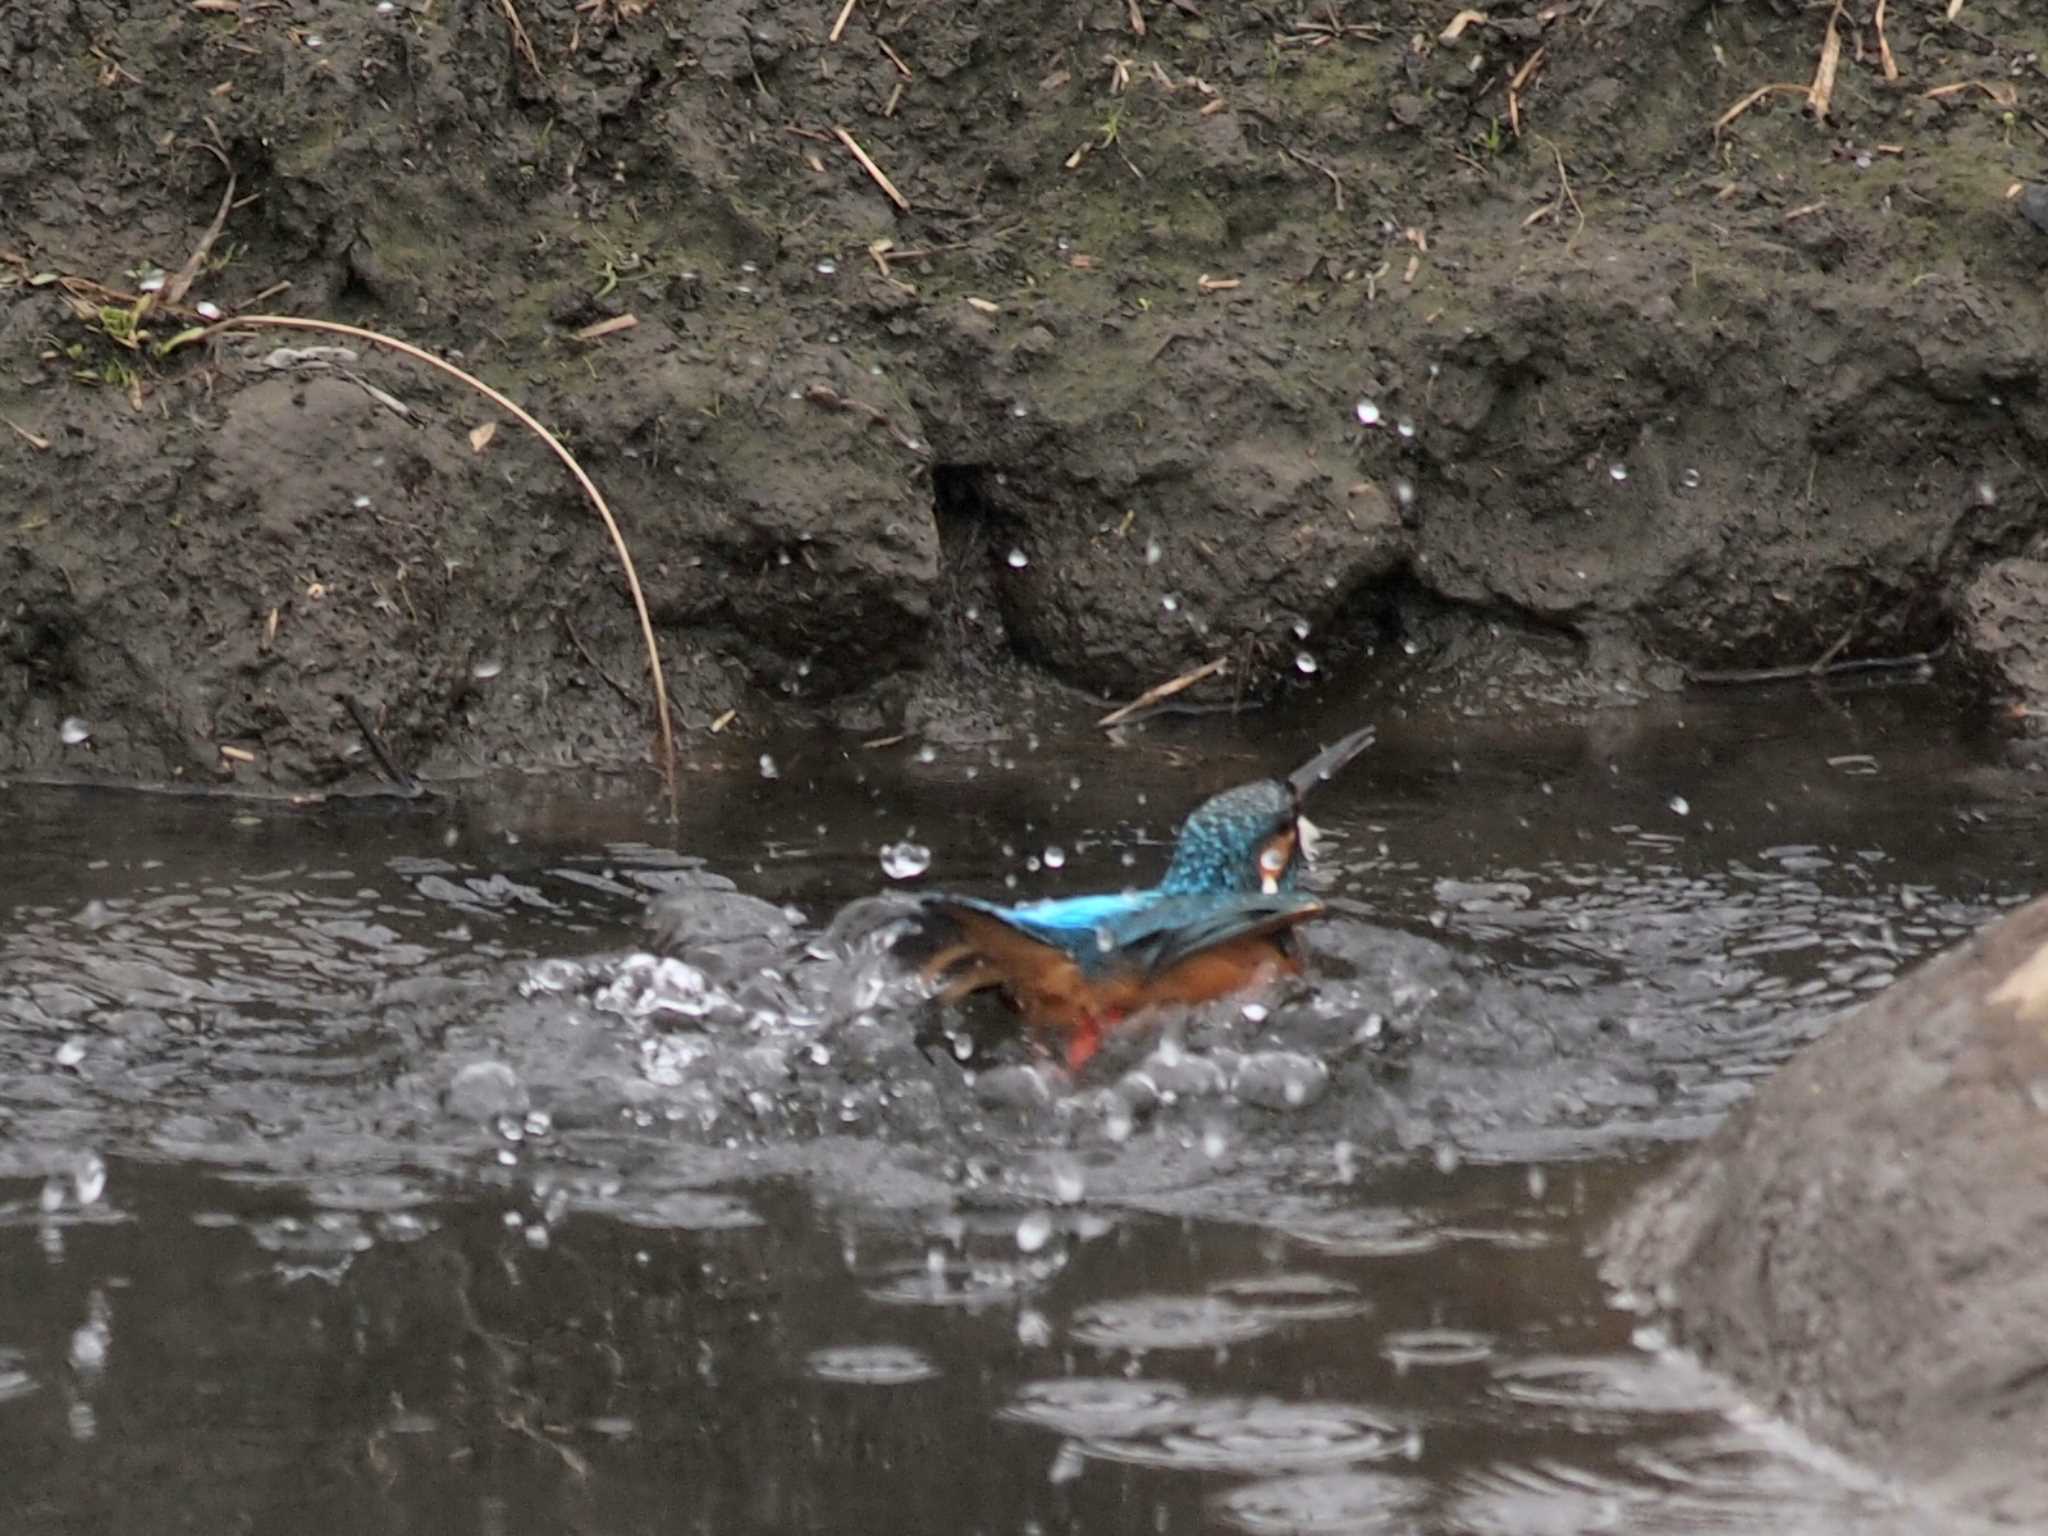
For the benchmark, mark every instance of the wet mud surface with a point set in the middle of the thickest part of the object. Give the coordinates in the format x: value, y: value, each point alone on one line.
x: 1248, y: 336
x: 366, y: 1162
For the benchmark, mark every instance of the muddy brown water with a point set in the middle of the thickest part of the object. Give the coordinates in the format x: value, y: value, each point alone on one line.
x: 339, y: 1192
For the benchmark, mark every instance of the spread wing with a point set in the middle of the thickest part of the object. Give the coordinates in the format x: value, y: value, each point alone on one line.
x: 1084, y: 938
x: 1167, y: 932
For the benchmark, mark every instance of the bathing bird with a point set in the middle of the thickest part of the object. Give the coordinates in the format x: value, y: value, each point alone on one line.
x: 1219, y: 922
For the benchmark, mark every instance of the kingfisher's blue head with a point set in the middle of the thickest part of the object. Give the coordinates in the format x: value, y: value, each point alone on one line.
x: 1242, y: 841
x: 1254, y: 838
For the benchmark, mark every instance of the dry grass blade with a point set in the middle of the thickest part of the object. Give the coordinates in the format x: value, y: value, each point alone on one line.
x: 839, y: 26
x: 1165, y: 690
x: 600, y: 329
x: 521, y: 43
x: 2003, y: 92
x: 1822, y: 95
x: 874, y: 171
x: 181, y: 281
x: 519, y: 414
x: 1459, y: 23
x: 1884, y: 47
x: 1755, y: 96
x: 39, y: 443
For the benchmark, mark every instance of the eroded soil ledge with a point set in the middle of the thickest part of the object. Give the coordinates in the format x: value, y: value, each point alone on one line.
x: 1705, y: 402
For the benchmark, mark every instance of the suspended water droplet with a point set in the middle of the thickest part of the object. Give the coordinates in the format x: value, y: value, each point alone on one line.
x: 827, y: 267
x: 1303, y: 662
x: 1411, y: 647
x: 1068, y: 1185
x: 1034, y: 1232
x: 1680, y: 806
x: 1404, y: 493
x: 1617, y: 471
x: 748, y: 266
x: 1018, y: 559
x: 1214, y: 1143
x: 71, y: 1052
x: 1019, y: 409
x: 1368, y: 413
x: 1170, y: 603
x: 927, y: 753
x: 1153, y: 553
x: 74, y: 732
x: 768, y: 768
x: 1034, y: 1331
x: 1987, y: 493
x: 1689, y: 478
x: 487, y: 669
x: 1447, y: 1158
x: 1055, y: 857
x: 905, y: 861
x: 1405, y: 426
x: 89, y: 1178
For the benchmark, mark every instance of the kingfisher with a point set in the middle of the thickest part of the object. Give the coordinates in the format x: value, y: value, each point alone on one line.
x: 1219, y: 922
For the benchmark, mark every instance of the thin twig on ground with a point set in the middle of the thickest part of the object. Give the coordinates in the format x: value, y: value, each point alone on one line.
x: 1165, y: 690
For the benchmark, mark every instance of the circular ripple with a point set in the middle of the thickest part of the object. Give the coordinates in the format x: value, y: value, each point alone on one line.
x: 1547, y: 1499
x: 870, y: 1365
x: 15, y: 1381
x: 1366, y: 1232
x: 958, y: 1283
x: 686, y: 1210
x: 1167, y: 1322
x: 1436, y: 1347
x: 1336, y: 1503
x: 1256, y: 1435
x: 1604, y: 1392
x: 1293, y: 1298
x: 1086, y: 1407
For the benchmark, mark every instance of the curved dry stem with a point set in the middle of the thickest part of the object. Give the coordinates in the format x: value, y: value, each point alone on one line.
x: 519, y: 414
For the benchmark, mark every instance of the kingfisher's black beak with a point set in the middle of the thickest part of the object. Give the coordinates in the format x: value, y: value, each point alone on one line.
x: 1327, y: 763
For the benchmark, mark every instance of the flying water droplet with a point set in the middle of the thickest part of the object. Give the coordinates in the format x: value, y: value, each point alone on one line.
x: 1034, y: 1232
x: 74, y: 732
x: 1689, y: 478
x: 487, y: 669
x: 1987, y: 493
x: 71, y: 1052
x: 1018, y: 559
x: 1405, y: 427
x: 1153, y: 553
x: 905, y: 861
x: 1169, y: 602
x: 1404, y: 492
x: 1019, y: 410
x: 1303, y: 662
x: 768, y: 768
x: 826, y: 268
x: 1617, y: 471
x: 89, y: 1178
x: 1055, y: 857
x: 1680, y: 806
x: 1368, y: 413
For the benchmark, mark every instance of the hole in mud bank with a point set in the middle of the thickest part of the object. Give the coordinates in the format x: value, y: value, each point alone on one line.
x: 970, y: 616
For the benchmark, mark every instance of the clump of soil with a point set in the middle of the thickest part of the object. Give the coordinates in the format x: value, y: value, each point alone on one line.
x: 1328, y: 344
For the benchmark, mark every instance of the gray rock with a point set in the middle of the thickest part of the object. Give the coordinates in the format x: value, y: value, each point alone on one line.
x: 1865, y: 1244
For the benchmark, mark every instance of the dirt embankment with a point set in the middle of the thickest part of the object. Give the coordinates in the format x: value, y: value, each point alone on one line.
x: 1084, y: 407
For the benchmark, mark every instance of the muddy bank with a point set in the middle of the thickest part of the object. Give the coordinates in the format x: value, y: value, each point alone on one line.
x: 1082, y: 414
x: 1859, y: 1245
